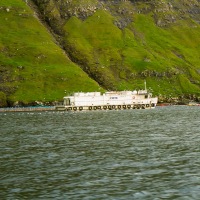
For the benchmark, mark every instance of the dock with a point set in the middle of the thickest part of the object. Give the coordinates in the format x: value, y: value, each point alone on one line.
x: 27, y: 109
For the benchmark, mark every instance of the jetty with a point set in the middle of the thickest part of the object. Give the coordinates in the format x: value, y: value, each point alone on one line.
x: 28, y: 109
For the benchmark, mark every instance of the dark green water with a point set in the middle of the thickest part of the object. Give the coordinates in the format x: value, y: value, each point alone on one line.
x: 135, y: 154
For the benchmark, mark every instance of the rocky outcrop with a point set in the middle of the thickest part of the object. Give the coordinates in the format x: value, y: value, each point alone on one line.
x: 165, y: 12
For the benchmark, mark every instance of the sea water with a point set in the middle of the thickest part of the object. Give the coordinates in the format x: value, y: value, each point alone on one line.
x: 130, y: 154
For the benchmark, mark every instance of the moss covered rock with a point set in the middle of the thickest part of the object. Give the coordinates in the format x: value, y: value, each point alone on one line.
x: 3, y: 99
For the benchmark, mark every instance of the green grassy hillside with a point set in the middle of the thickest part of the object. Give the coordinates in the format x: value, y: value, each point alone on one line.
x: 122, y: 43
x: 168, y: 58
x: 32, y: 66
x: 115, y: 44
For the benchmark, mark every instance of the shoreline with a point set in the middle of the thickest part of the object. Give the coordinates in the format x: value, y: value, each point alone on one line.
x: 52, y: 108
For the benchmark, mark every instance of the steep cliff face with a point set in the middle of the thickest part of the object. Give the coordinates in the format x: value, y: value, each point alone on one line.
x: 52, y: 47
x: 32, y: 66
x: 120, y: 43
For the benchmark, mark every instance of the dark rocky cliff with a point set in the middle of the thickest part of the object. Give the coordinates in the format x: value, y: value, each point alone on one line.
x: 164, y: 11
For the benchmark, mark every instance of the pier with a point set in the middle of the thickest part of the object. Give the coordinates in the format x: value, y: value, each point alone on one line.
x: 27, y: 109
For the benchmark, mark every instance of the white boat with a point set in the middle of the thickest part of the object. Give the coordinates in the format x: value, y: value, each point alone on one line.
x: 115, y: 100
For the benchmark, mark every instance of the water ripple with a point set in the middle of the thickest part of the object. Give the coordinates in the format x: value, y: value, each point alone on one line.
x: 138, y: 154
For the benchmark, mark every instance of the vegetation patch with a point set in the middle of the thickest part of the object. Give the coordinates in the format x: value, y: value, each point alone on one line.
x: 112, y: 45
x: 33, y: 67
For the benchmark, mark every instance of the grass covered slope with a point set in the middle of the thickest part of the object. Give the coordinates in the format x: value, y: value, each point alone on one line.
x: 119, y: 44
x: 168, y: 58
x: 32, y: 66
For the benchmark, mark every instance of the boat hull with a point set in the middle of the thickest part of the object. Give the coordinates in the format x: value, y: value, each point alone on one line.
x: 105, y: 107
